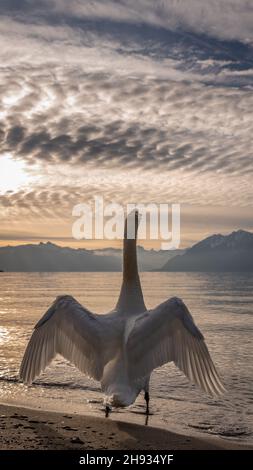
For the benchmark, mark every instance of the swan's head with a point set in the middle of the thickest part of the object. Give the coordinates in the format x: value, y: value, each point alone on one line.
x: 131, y: 224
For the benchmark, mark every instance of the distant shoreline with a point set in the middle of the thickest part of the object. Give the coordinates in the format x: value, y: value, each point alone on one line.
x: 218, y: 254
x: 118, y: 272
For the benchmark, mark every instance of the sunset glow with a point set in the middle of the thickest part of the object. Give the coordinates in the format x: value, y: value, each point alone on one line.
x: 132, y: 101
x: 13, y: 174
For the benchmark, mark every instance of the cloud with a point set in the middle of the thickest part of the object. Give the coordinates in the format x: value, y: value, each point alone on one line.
x: 150, y: 100
x: 45, y: 212
x: 230, y: 19
x: 133, y: 34
x: 110, y: 120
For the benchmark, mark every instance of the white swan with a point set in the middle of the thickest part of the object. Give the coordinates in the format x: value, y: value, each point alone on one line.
x: 122, y: 348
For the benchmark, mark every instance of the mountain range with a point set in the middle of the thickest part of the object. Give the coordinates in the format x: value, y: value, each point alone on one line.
x: 49, y: 257
x: 233, y: 252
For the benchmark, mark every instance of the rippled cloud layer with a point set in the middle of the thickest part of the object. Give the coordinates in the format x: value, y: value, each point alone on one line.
x: 151, y: 99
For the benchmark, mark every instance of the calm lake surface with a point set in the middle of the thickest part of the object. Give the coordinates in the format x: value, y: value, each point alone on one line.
x: 222, y: 306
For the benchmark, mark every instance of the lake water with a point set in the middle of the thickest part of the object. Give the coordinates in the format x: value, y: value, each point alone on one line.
x: 222, y: 306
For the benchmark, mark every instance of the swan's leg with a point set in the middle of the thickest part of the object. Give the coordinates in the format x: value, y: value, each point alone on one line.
x: 146, y: 393
x: 107, y: 411
x: 146, y: 396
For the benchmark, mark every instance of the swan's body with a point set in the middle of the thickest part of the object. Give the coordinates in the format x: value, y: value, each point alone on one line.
x: 120, y: 349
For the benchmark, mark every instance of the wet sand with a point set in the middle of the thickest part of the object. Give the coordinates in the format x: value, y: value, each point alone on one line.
x: 23, y: 428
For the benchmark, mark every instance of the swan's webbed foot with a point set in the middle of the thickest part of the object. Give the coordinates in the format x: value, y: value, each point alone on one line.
x: 107, y: 410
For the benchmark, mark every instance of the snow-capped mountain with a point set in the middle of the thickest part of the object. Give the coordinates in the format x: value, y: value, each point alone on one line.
x: 233, y: 252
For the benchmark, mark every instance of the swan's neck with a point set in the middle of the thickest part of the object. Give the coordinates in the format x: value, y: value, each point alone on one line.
x: 131, y: 297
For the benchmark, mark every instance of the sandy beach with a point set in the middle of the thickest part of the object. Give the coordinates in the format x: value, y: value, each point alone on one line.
x: 24, y: 428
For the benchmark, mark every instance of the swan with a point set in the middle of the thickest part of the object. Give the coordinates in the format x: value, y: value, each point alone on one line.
x: 121, y: 349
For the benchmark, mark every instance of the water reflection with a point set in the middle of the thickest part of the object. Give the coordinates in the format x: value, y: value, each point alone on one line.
x: 222, y: 307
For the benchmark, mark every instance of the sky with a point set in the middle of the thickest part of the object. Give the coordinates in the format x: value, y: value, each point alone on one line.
x: 137, y: 101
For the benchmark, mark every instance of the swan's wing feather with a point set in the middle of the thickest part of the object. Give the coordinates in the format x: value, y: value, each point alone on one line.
x: 168, y: 333
x: 68, y: 329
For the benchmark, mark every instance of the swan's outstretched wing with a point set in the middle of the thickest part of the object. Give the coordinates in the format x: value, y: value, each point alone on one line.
x: 168, y: 333
x: 68, y: 329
